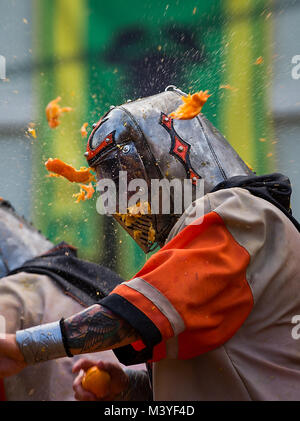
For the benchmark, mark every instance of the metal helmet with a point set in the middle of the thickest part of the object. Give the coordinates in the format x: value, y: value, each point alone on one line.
x: 140, y: 137
x: 19, y: 240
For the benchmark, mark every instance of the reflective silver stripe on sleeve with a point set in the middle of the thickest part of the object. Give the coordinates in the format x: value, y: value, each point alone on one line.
x: 160, y: 301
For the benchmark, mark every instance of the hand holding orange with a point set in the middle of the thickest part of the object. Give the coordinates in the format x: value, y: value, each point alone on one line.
x: 96, y: 381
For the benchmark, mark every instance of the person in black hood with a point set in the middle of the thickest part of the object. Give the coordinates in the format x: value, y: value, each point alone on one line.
x: 41, y: 282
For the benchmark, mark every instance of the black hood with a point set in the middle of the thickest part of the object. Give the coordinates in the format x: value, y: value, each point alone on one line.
x: 86, y: 282
x: 275, y: 188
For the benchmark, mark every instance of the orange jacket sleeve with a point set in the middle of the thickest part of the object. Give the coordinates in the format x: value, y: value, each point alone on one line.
x: 194, y: 288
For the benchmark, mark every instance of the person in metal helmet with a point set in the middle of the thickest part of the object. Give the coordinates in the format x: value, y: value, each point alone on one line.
x: 211, y: 310
x: 140, y: 138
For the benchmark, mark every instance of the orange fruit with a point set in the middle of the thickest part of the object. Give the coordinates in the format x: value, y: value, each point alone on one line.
x: 96, y: 381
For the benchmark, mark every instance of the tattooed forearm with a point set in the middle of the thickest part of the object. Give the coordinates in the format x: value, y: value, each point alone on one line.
x: 97, y: 329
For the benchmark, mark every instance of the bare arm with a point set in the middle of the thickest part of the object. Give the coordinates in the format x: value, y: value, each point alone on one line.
x: 97, y: 329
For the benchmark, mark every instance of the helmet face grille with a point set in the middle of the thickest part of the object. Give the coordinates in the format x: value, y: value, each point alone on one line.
x: 140, y: 228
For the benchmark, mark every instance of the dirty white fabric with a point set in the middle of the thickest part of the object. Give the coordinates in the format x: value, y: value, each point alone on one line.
x: 261, y: 362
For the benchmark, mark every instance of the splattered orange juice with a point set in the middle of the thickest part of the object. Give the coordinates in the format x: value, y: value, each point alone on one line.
x: 86, y: 193
x: 191, y: 107
x: 60, y: 168
x: 83, y: 130
x: 54, y: 111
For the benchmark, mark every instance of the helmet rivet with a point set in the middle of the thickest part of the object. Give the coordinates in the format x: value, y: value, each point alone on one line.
x: 194, y: 179
x: 86, y: 154
x: 126, y: 149
x: 180, y: 148
x: 107, y: 140
x: 94, y: 125
x: 166, y: 118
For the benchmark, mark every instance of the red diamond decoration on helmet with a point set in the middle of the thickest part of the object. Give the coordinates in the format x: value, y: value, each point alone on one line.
x: 166, y: 121
x: 179, y: 148
x: 194, y: 176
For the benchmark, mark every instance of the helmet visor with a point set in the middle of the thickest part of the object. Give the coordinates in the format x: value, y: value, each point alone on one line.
x: 123, y: 185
